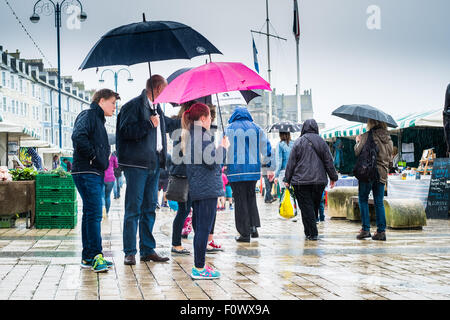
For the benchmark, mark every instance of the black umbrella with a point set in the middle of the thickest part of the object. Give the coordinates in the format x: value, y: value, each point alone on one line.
x: 147, y: 41
x: 362, y: 113
x: 248, y: 95
x: 285, y: 126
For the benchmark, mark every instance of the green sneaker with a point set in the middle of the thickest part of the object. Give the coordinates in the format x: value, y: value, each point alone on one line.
x: 87, y: 263
x: 99, y: 264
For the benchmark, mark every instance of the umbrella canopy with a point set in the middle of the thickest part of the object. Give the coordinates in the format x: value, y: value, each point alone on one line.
x: 145, y: 42
x: 285, y: 126
x: 211, y: 78
x: 248, y: 95
x: 362, y: 113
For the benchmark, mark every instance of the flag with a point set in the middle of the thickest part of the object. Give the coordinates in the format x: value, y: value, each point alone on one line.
x: 255, y: 56
x: 296, y: 28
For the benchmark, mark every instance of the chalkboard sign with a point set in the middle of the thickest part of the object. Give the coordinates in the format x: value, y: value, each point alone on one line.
x: 439, y: 193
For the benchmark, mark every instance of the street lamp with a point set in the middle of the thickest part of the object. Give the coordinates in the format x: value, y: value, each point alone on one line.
x: 46, y: 8
x: 116, y: 78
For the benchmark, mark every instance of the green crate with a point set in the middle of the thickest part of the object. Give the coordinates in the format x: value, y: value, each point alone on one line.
x: 56, y: 195
x: 54, y: 181
x: 46, y: 208
x: 56, y: 222
x: 8, y: 221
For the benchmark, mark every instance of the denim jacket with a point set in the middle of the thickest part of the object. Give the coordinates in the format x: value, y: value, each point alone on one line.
x: 283, y: 151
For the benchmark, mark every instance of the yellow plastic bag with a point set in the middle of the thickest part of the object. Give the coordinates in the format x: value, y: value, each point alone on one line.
x: 287, y: 205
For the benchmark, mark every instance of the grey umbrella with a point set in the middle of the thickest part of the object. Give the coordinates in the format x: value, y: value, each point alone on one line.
x: 362, y: 113
x: 285, y: 126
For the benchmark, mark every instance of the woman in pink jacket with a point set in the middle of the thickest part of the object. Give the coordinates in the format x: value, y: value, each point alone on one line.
x: 109, y: 180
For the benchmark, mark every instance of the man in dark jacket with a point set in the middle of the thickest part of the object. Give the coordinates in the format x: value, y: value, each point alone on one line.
x: 142, y: 148
x: 447, y: 119
x: 309, y: 163
x: 90, y: 160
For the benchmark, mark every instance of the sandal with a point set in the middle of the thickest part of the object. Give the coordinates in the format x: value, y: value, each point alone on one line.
x: 182, y: 251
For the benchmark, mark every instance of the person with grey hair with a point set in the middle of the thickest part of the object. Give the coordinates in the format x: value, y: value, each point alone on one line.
x: 142, y: 149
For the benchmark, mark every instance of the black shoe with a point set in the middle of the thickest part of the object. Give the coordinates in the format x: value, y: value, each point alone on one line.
x: 184, y: 236
x: 255, y: 234
x: 129, y: 260
x: 312, y: 238
x: 242, y: 239
x: 379, y: 236
x: 363, y: 234
x: 154, y: 257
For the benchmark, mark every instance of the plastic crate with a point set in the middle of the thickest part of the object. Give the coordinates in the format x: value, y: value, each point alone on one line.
x: 7, y: 221
x: 56, y: 195
x: 56, y: 222
x: 54, y: 181
x: 45, y: 208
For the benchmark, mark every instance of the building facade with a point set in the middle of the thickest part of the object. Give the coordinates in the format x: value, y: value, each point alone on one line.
x: 29, y: 96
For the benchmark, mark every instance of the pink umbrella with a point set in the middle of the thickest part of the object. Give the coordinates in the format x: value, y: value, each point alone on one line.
x: 211, y: 78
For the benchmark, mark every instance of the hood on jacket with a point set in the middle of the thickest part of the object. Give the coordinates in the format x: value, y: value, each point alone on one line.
x: 240, y: 114
x: 310, y: 126
x: 382, y: 134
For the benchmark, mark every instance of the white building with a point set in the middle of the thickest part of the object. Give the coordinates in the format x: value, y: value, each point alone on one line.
x: 29, y: 97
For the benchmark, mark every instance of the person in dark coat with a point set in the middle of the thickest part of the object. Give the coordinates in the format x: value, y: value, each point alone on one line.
x: 141, y: 148
x: 203, y: 168
x: 90, y: 160
x: 250, y: 151
x: 309, y: 163
x: 446, y: 116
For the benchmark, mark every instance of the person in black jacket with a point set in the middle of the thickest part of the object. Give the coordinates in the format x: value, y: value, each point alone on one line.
x: 309, y: 163
x: 90, y: 160
x: 446, y: 116
x: 141, y: 148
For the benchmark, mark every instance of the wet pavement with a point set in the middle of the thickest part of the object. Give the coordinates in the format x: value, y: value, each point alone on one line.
x: 43, y: 264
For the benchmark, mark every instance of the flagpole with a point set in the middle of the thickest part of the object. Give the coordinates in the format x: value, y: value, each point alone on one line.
x: 268, y: 62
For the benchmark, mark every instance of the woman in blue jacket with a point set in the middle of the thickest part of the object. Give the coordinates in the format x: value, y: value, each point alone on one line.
x: 204, y: 173
x: 283, y: 151
x: 248, y: 143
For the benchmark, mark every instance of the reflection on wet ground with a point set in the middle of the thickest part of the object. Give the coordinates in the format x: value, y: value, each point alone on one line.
x: 280, y: 264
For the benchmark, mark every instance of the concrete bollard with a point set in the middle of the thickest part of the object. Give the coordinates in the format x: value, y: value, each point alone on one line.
x: 404, y: 213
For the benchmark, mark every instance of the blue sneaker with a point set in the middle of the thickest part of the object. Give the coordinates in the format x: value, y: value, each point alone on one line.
x: 99, y: 264
x: 207, y: 273
x: 87, y: 263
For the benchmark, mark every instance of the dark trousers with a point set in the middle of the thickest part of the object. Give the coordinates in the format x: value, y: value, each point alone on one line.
x: 203, y: 215
x: 308, y: 199
x: 183, y: 211
x: 90, y: 188
x: 268, y: 189
x: 246, y: 211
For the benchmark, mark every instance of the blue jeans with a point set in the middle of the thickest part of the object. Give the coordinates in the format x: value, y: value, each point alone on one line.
x: 183, y: 211
x: 268, y: 186
x: 203, y: 215
x: 140, y: 205
x: 322, y: 208
x: 364, y: 189
x: 108, y: 188
x: 90, y: 188
x: 117, y: 185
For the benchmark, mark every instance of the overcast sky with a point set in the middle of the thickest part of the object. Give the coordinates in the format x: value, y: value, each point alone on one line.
x: 402, y: 67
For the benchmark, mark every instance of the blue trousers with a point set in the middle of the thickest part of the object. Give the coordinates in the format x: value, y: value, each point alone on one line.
x: 108, y: 188
x: 364, y: 189
x: 203, y: 216
x: 140, y: 205
x: 90, y: 188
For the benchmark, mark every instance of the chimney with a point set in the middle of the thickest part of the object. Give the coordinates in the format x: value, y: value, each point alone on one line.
x: 16, y: 54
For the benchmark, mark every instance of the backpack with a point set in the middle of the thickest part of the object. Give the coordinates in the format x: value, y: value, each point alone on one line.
x: 366, y: 169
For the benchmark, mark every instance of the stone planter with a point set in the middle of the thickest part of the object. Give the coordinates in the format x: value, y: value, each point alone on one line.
x: 337, y: 198
x: 18, y: 197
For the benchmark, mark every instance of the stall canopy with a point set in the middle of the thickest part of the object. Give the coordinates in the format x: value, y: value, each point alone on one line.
x: 431, y: 118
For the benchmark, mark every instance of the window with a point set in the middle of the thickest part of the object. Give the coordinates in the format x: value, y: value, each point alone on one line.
x: 47, y: 113
x: 47, y: 134
x: 3, y: 79
x: 5, y: 106
x: 21, y: 111
x: 21, y: 85
x: 12, y: 81
x: 33, y: 90
x: 12, y: 106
